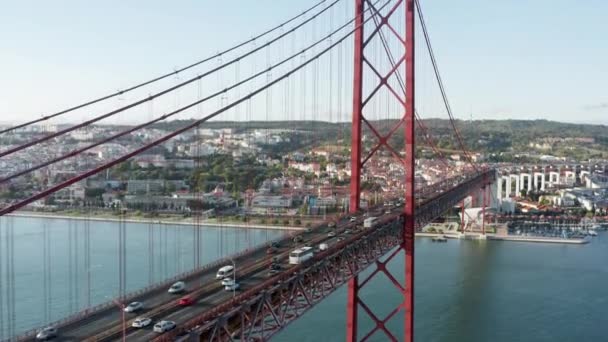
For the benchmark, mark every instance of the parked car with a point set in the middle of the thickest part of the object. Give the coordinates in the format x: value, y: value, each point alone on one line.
x: 185, y: 301
x: 134, y: 306
x: 46, y: 334
x: 141, y: 322
x: 163, y: 326
x: 178, y: 287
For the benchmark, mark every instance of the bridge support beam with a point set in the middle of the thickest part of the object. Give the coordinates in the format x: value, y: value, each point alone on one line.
x: 352, y: 306
x: 406, y: 98
x: 410, y: 206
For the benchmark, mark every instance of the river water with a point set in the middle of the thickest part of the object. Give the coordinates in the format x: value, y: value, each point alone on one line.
x: 465, y: 290
x: 479, y: 291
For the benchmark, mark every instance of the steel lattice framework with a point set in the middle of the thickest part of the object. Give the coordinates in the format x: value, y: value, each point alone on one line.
x: 260, y: 312
x: 358, y: 159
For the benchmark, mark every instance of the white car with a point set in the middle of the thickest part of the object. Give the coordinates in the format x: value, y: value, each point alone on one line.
x: 163, y: 326
x: 353, y: 219
x: 227, y: 282
x: 178, y: 287
x: 232, y: 287
x: 141, y: 322
x: 135, y: 306
x: 46, y: 334
x: 331, y: 234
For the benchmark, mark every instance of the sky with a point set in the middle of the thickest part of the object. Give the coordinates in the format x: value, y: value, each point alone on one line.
x: 516, y: 59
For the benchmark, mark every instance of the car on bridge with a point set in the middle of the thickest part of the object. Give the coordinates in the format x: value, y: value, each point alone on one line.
x: 185, y: 301
x: 224, y: 272
x: 178, y: 287
x: 46, y: 334
x: 232, y: 286
x: 134, y: 306
x: 164, y: 326
x: 141, y: 322
x: 273, y: 272
x: 227, y: 281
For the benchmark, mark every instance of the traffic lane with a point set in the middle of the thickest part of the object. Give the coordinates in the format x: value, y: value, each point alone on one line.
x: 189, y: 312
x: 261, y: 261
x: 113, y: 316
x: 261, y: 255
x: 182, y: 316
x: 185, y: 314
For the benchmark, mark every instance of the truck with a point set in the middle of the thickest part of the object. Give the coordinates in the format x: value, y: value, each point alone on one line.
x: 369, y: 222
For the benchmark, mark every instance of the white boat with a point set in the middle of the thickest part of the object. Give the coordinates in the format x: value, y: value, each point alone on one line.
x: 592, y: 232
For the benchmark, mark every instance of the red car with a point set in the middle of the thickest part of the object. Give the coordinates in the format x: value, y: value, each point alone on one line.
x: 185, y: 301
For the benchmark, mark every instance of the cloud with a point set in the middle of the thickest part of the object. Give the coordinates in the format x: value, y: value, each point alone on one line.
x: 601, y: 105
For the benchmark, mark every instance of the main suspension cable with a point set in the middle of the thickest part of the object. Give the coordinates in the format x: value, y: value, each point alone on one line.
x: 158, y: 78
x: 164, y: 92
x: 161, y: 140
x: 167, y: 115
x: 441, y: 87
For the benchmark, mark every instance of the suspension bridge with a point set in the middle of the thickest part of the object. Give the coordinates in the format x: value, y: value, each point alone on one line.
x: 337, y: 61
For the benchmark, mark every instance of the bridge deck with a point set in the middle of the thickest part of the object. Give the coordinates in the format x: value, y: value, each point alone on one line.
x: 211, y: 301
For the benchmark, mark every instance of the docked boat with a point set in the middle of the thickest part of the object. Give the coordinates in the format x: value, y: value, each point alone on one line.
x: 591, y: 232
x: 439, y: 239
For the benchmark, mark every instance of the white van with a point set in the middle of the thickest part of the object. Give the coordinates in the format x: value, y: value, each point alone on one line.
x: 298, y: 256
x: 178, y: 287
x: 224, y: 272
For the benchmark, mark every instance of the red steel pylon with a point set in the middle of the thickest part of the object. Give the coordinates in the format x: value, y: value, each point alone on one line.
x: 358, y: 160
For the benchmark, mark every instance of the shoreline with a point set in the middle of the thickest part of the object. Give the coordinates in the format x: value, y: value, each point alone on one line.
x: 184, y: 222
x: 491, y: 236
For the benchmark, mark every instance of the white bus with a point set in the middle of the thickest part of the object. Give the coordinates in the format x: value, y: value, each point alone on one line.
x: 298, y: 256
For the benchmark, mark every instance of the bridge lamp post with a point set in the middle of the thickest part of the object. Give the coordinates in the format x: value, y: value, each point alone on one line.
x: 121, y: 306
x: 233, y: 278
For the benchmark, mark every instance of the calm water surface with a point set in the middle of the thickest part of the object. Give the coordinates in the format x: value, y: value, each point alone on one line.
x: 465, y: 290
x: 172, y: 249
x: 473, y: 291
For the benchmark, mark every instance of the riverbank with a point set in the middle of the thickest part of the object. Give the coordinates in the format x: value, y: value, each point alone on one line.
x: 179, y: 222
x: 536, y: 239
x: 540, y: 239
